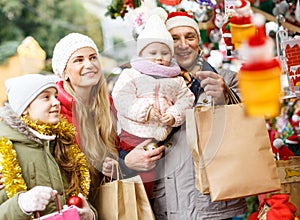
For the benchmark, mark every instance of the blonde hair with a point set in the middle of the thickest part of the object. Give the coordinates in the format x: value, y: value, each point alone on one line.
x: 96, y: 124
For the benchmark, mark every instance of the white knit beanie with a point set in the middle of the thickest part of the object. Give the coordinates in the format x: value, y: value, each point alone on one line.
x: 66, y: 47
x: 178, y: 19
x: 155, y: 31
x: 22, y: 90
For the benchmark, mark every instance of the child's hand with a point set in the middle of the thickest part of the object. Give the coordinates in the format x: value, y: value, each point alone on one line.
x: 167, y: 119
x: 154, y: 114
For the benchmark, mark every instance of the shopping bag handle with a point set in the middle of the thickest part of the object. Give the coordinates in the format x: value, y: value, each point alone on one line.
x: 119, y: 173
x: 232, y: 97
x: 38, y: 215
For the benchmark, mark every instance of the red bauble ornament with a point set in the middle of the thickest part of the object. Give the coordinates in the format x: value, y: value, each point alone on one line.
x: 170, y: 2
x: 75, y: 200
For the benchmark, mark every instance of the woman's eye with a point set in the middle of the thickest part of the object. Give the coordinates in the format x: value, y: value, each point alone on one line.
x: 78, y: 60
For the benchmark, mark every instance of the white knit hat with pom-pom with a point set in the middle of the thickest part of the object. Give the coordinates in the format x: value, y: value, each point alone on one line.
x: 66, y: 47
x: 155, y: 31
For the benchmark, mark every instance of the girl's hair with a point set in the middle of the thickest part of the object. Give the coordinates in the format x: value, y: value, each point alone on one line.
x: 70, y: 166
x: 97, y: 133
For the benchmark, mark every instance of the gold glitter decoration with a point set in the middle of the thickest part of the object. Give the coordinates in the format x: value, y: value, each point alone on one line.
x: 75, y: 152
x: 10, y: 169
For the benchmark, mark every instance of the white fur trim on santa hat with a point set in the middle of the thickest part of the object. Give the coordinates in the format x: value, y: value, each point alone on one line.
x: 254, y: 54
x: 155, y: 31
x: 179, y: 21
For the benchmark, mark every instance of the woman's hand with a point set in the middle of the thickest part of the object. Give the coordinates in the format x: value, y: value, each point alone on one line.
x: 140, y: 160
x: 85, y: 212
x: 109, y: 167
x: 213, y: 85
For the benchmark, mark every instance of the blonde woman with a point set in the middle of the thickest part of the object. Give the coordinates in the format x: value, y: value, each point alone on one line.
x: 86, y: 103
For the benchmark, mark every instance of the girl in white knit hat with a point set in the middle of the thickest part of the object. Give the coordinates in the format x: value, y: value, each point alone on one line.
x: 151, y: 97
x: 39, y: 158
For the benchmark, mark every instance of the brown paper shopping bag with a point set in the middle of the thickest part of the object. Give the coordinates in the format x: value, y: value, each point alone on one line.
x: 124, y: 199
x: 232, y: 152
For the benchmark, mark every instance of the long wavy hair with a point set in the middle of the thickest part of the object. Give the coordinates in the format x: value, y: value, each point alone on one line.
x: 96, y: 124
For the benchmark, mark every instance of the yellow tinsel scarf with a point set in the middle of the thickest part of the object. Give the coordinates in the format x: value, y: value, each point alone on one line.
x: 11, y: 170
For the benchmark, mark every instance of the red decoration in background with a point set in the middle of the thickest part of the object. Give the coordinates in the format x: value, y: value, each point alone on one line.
x: 279, y: 207
x: 170, y: 2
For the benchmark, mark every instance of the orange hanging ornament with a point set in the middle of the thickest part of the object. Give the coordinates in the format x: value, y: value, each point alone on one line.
x: 259, y: 76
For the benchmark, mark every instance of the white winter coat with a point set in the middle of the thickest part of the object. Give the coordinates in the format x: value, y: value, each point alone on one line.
x: 134, y: 94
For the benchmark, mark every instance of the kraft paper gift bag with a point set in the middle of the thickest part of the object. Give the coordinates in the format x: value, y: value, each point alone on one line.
x: 232, y: 152
x: 124, y: 199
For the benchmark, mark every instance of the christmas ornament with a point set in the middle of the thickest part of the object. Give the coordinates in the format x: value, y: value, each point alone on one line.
x: 275, y: 207
x: 204, y: 12
x: 227, y: 38
x: 281, y: 151
x: 75, y: 200
x: 219, y: 19
x: 150, y: 146
x: 241, y: 27
x: 215, y: 35
x: 259, y: 76
x: 170, y: 2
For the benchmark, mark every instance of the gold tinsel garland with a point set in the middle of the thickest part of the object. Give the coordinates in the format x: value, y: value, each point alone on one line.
x: 11, y: 170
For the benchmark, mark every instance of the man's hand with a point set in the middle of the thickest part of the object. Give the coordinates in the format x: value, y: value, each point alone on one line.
x: 140, y: 160
x: 213, y: 85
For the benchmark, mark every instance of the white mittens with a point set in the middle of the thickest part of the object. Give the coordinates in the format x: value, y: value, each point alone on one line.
x: 36, y: 199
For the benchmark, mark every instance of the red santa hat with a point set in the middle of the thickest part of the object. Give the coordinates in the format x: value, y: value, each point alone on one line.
x: 293, y: 139
x: 243, y: 8
x: 180, y: 18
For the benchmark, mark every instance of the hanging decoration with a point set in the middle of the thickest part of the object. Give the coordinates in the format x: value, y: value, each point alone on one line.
x: 118, y: 8
x: 259, y: 76
x: 241, y: 27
